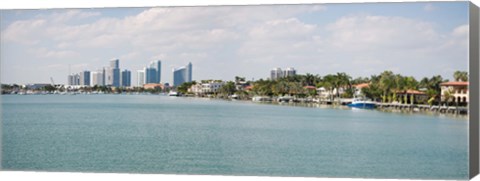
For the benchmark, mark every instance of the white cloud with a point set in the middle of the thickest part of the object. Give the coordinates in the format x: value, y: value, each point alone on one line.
x: 461, y: 31
x: 367, y: 32
x: 238, y: 37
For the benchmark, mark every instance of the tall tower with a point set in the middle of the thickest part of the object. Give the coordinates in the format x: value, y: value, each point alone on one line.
x: 140, y: 77
x: 189, y: 71
x: 182, y: 74
x: 158, y: 66
x: 126, y: 78
x: 113, y: 75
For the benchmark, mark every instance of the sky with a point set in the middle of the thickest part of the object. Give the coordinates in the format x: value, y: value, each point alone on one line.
x: 414, y: 39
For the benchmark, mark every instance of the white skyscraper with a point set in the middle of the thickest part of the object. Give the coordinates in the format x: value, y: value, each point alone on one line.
x: 276, y: 73
x: 98, y: 78
x: 290, y: 71
x: 140, y: 77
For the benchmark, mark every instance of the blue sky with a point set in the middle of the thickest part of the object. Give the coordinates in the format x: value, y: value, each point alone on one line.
x: 417, y: 39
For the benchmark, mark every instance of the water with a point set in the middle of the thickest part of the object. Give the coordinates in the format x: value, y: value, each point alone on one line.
x: 174, y: 135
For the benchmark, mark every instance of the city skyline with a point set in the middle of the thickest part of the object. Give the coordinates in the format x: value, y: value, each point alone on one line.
x: 359, y: 39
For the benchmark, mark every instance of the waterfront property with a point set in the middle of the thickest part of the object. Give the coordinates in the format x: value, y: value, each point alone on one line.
x: 208, y: 87
x: 359, y: 87
x: 457, y: 92
x: 154, y: 86
x: 411, y: 97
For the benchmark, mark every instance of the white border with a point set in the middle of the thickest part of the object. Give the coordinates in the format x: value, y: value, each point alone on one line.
x: 48, y: 4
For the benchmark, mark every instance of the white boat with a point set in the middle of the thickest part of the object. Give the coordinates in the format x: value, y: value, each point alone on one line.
x: 285, y: 99
x: 234, y: 96
x: 261, y: 99
x: 173, y: 93
x: 362, y: 103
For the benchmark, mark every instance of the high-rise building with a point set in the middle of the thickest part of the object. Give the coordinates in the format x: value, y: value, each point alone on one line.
x: 276, y: 73
x: 182, y: 75
x: 157, y: 65
x: 140, y: 78
x: 150, y: 75
x: 104, y: 76
x: 74, y: 79
x: 289, y: 72
x: 98, y: 78
x: 126, y: 78
x: 85, y: 78
x: 153, y: 72
x: 113, y: 74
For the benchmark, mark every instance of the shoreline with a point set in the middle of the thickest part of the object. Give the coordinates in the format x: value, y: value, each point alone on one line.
x: 290, y: 104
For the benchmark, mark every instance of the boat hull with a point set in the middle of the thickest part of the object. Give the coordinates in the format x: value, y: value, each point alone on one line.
x: 362, y: 105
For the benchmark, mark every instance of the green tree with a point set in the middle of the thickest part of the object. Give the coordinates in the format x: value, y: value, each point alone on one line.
x: 447, y: 96
x: 227, y: 89
x: 386, y: 83
x: 461, y: 76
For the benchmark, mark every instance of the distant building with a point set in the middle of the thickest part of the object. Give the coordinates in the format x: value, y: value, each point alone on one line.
x: 98, y: 78
x: 206, y: 88
x: 140, y: 78
x: 458, y: 90
x: 126, y: 78
x: 289, y: 72
x: 152, y: 73
x: 182, y: 75
x: 276, y: 73
x: 74, y: 79
x: 85, y: 78
x: 113, y: 74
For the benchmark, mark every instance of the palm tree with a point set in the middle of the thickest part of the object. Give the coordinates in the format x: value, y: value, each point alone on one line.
x: 386, y: 84
x: 344, y: 81
x: 227, y: 89
x: 329, y: 84
x: 447, y: 95
x: 461, y: 76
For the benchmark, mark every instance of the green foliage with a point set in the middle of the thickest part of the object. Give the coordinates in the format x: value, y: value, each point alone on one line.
x: 183, y: 88
x: 227, y: 89
x: 461, y: 76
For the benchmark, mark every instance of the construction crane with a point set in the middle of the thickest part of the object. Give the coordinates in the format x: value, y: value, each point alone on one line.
x: 53, y: 83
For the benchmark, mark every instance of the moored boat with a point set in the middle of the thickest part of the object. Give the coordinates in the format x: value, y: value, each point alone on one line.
x: 362, y: 103
x: 173, y: 93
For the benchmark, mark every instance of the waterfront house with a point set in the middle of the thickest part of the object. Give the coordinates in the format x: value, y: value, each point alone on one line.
x: 153, y: 86
x: 358, y: 89
x: 405, y: 96
x: 325, y: 94
x: 458, y: 91
x: 210, y: 87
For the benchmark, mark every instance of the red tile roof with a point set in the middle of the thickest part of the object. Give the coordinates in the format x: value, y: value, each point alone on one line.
x: 411, y: 92
x: 454, y: 84
x: 360, y: 86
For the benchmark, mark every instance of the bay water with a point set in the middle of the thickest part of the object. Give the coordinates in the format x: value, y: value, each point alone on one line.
x: 178, y: 135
